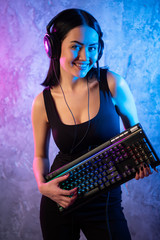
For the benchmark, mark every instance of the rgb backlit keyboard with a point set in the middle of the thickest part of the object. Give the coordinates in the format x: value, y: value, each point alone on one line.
x: 108, y: 165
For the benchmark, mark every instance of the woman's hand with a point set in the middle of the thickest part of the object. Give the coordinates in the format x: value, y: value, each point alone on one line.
x: 51, y: 189
x: 143, y: 171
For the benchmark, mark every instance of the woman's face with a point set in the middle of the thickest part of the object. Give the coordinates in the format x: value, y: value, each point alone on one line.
x: 79, y: 51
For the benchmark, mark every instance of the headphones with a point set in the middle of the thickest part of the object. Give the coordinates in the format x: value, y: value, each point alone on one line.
x: 53, y: 46
x: 51, y: 42
x: 100, y: 48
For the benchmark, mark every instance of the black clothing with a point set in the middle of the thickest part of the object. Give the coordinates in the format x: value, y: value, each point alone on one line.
x: 103, y: 126
x: 92, y: 217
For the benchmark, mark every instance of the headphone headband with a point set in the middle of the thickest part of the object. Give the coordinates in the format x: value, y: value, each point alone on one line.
x: 49, y: 25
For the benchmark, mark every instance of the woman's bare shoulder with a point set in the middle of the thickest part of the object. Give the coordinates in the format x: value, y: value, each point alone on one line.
x: 38, y: 101
x: 38, y: 107
x: 114, y: 81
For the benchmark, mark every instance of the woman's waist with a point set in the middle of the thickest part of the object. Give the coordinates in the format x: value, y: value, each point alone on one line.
x: 62, y: 159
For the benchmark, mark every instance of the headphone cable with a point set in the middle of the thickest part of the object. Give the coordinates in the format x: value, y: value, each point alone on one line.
x: 75, y: 132
x: 88, y: 123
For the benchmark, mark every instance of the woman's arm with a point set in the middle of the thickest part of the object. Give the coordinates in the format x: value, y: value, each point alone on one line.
x: 124, y: 102
x: 122, y: 99
x: 41, y: 133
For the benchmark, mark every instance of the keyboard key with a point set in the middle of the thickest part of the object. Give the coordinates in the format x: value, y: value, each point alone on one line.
x: 104, y: 173
x: 104, y: 179
x: 111, y: 163
x: 107, y: 184
x: 100, y: 182
x: 95, y: 178
x: 91, y: 186
x: 102, y: 186
x: 112, y: 175
x: 118, y: 178
x: 133, y: 170
x: 96, y: 184
x: 112, y: 180
x: 110, y: 170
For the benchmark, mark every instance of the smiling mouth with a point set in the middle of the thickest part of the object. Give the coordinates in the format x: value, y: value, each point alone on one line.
x: 81, y: 65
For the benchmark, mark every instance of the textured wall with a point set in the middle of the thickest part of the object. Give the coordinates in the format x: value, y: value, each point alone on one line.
x: 132, y: 38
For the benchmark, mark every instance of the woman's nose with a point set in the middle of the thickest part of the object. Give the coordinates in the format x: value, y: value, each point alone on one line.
x: 83, y: 54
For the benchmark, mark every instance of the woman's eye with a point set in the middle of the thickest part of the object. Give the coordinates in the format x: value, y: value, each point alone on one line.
x: 76, y: 47
x: 91, y: 49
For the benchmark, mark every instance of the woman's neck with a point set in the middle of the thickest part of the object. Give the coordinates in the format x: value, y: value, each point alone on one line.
x: 72, y: 83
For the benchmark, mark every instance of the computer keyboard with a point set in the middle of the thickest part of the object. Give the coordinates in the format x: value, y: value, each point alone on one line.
x: 107, y: 166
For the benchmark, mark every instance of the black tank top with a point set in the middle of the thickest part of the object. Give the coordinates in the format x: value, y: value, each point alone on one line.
x: 99, y: 129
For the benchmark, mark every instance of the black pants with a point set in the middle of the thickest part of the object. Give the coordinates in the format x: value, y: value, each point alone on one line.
x: 91, y: 219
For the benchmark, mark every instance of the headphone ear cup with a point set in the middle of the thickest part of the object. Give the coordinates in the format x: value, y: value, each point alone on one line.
x: 52, y: 46
x: 101, y: 47
x: 48, y: 45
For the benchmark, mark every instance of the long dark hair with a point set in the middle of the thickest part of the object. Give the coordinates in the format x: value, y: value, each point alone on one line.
x: 62, y: 24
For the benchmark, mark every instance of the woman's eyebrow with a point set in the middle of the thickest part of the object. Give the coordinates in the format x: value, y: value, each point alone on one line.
x: 83, y: 43
x: 77, y: 42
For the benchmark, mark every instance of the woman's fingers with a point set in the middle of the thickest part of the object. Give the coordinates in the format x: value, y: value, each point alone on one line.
x: 137, y: 176
x: 68, y: 193
x: 147, y: 170
x: 143, y: 171
x: 63, y: 197
x: 67, y: 200
x: 61, y: 179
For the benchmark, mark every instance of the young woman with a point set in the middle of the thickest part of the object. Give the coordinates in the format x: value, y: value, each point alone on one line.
x: 80, y: 105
